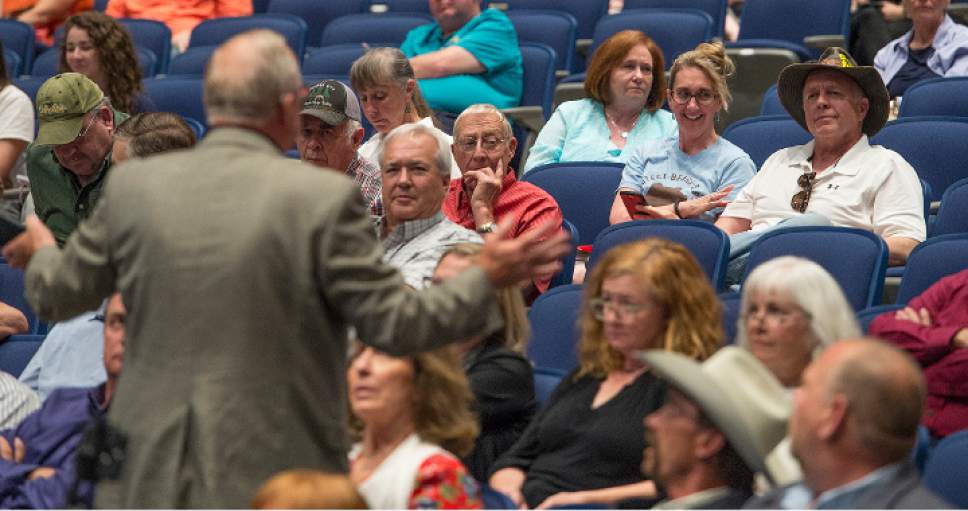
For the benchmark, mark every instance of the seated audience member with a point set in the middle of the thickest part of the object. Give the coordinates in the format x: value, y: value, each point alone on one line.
x: 488, y: 190
x: 45, y: 15
x: 466, y: 56
x: 500, y: 376
x: 16, y: 401
x: 873, y: 25
x: 71, y: 353
x: 934, y: 47
x: 791, y: 310
x: 16, y: 131
x: 143, y: 135
x: 308, y: 489
x: 12, y: 321
x: 99, y: 48
x: 71, y: 157
x: 854, y: 423
x: 837, y: 178
x: 331, y: 133
x: 415, y: 232
x: 38, y: 470
x: 584, y: 446
x: 388, y: 90
x: 625, y: 87
x: 715, y: 429
x: 693, y: 172
x: 181, y: 16
x: 413, y: 417
x: 934, y: 329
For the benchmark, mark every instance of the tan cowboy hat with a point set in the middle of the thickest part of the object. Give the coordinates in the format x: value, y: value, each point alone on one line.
x: 792, y: 78
x: 737, y: 393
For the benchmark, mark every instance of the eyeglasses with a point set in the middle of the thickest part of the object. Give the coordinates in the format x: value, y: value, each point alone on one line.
x: 802, y: 198
x: 623, y: 309
x: 488, y: 143
x: 83, y: 133
x: 775, y: 314
x: 703, y: 96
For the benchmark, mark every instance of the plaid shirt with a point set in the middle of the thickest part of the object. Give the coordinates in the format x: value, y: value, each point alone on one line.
x: 367, y: 177
x: 415, y: 246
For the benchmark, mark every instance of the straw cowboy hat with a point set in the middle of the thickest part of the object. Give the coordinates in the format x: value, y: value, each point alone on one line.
x: 737, y: 393
x: 790, y: 87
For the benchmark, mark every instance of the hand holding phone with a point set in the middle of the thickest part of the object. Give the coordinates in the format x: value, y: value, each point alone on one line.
x: 631, y: 200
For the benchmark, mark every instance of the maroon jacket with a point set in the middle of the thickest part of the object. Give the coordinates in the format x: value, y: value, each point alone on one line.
x: 945, y: 367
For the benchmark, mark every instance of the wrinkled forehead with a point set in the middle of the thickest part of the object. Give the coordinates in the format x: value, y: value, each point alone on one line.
x: 829, y: 78
x: 480, y: 124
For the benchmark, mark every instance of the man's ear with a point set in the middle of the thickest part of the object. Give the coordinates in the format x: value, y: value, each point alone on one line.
x: 358, y: 138
x: 709, y: 442
x: 834, y: 417
x: 863, y: 107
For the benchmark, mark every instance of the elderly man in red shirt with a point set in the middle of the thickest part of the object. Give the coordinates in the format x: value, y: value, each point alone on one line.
x: 488, y: 190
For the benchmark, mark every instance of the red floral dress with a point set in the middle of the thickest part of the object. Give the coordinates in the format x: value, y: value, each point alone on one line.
x: 443, y: 483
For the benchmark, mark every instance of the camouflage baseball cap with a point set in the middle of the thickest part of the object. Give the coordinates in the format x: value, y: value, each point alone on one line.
x: 62, y: 102
x: 332, y: 102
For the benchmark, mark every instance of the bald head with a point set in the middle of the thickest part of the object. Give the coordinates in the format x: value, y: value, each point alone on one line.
x: 885, y: 392
x: 247, y: 76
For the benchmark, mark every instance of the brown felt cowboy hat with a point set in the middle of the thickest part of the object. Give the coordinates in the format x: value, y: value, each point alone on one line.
x: 790, y: 87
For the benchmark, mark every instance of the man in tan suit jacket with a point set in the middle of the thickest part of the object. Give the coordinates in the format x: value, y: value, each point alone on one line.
x: 242, y: 271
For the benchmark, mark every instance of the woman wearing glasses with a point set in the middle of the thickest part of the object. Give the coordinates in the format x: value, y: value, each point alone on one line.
x: 625, y: 85
x: 695, y: 171
x: 586, y: 445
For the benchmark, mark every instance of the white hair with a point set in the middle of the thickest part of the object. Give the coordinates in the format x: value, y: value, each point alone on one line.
x: 812, y: 289
x: 485, y: 108
x: 443, y: 157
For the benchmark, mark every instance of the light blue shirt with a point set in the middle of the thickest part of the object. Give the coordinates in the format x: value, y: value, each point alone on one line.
x: 491, y: 38
x: 798, y: 496
x: 72, y: 355
x: 578, y: 131
x: 950, y: 52
x: 659, y: 169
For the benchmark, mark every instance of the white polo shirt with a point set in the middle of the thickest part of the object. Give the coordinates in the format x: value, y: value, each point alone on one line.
x: 871, y: 187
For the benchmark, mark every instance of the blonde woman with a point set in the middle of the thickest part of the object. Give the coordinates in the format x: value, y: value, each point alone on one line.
x: 586, y: 445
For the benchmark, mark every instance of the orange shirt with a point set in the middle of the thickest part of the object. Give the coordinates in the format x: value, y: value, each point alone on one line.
x: 45, y: 33
x: 179, y: 15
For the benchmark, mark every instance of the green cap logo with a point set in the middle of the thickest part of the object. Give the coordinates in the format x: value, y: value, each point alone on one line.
x: 62, y: 102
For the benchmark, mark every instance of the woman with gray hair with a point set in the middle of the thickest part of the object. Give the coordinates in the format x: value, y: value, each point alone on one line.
x: 791, y: 309
x: 390, y: 96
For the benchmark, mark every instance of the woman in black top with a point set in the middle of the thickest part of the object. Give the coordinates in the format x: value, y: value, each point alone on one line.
x: 586, y: 445
x: 501, y: 378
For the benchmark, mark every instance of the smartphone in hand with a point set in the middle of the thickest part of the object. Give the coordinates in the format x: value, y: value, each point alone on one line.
x: 632, y: 199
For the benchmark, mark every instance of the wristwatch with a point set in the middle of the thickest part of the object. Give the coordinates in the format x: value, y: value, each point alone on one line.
x: 486, y: 228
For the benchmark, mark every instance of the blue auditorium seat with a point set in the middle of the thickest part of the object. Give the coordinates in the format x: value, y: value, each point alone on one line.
x: 762, y: 136
x: 18, y: 37
x: 554, y: 28
x: 786, y: 23
x: 317, y: 14
x: 674, y: 30
x: 716, y: 9
x: 375, y: 29
x: 583, y: 190
x: 151, y: 35
x: 180, y: 95
x: 47, y: 64
x: 12, y: 63
x: 554, y: 328
x: 953, y: 214
x: 934, y: 146
x: 937, y: 96
x: 16, y: 352
x: 215, y: 31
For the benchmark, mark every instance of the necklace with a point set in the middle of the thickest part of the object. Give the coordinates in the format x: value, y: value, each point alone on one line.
x: 624, y: 133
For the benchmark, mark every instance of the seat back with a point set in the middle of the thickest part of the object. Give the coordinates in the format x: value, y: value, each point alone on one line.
x: 546, y: 379
x: 538, y: 76
x: 374, y: 29
x: 953, y: 214
x: 762, y: 136
x: 191, y: 63
x: 731, y: 302
x: 18, y: 37
x: 866, y: 316
x: 716, y: 9
x: 857, y: 259
x: 674, y: 30
x: 554, y: 328
x: 932, y: 260
x: 586, y: 12
x: 756, y: 71
x: 152, y: 35
x: 317, y: 14
x: 379, y: 6
x: 555, y: 29
x: 332, y: 60
x: 583, y: 190
x: 12, y: 63
x: 16, y: 352
x: 180, y: 95
x: 934, y: 146
x: 945, y: 472
x: 793, y: 20
x: 937, y: 96
x: 567, y: 273
x: 12, y: 294
x: 771, y: 103
x: 707, y: 243
x: 216, y: 31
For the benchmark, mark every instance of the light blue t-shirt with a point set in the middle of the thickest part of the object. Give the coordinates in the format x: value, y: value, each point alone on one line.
x: 659, y: 169
x: 491, y: 38
x: 578, y: 131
